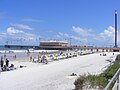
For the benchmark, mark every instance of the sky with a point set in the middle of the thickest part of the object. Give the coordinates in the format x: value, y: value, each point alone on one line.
x: 79, y: 22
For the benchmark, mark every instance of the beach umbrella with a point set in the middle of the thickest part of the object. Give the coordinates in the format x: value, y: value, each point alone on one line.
x: 44, y: 56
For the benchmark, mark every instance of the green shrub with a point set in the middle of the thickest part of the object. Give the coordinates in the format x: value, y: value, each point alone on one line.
x: 80, y: 82
x: 96, y: 81
x: 117, y: 58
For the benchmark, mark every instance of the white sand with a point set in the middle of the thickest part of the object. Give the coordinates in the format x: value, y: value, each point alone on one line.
x: 37, y: 76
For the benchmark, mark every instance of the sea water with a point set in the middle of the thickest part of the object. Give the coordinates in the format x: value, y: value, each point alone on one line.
x: 18, y: 55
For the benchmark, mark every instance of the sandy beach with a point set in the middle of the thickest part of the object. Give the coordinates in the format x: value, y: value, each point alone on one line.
x: 52, y: 76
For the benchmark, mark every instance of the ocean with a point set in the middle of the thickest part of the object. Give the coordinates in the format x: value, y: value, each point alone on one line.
x: 19, y: 51
x: 17, y: 47
x: 2, y: 47
x: 20, y: 54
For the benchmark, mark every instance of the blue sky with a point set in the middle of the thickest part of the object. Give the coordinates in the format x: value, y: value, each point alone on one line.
x: 81, y: 22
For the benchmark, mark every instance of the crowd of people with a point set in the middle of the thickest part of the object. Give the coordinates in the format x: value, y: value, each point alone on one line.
x: 45, y: 58
x: 4, y: 65
x: 40, y: 59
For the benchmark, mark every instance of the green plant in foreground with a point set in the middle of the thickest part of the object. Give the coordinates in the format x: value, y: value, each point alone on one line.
x: 80, y: 83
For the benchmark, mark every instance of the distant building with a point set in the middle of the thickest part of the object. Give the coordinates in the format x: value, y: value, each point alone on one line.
x: 53, y: 45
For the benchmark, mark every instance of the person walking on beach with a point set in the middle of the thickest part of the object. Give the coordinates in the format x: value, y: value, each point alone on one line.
x: 7, y: 62
x: 1, y: 57
x: 1, y: 63
x: 30, y: 58
x: 4, y: 56
x: 15, y: 56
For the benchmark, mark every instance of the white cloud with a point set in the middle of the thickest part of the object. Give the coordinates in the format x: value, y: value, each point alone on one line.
x: 22, y: 26
x: 15, y: 36
x: 12, y: 30
x: 108, y: 33
x: 105, y: 37
x: 79, y: 39
x: 82, y: 32
x: 65, y: 35
x: 30, y: 20
x: 84, y: 36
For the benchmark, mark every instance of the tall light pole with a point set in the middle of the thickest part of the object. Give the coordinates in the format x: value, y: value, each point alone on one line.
x: 116, y: 29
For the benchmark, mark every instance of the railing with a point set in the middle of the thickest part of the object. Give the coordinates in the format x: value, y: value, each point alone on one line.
x: 115, y: 80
